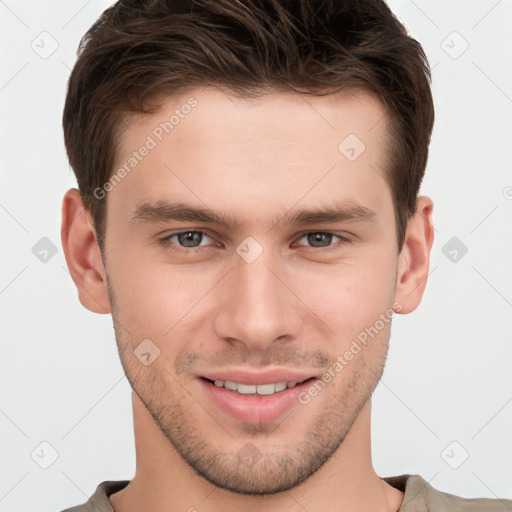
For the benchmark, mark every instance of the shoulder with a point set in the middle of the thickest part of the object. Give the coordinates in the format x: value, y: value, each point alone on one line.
x: 420, y: 496
x: 99, y: 501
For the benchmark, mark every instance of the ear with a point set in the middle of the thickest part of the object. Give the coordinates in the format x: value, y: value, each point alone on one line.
x: 83, y: 255
x: 414, y: 258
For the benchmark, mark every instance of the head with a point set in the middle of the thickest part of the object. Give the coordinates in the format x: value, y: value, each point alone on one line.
x: 248, y: 199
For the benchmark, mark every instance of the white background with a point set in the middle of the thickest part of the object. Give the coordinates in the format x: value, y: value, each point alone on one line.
x: 448, y: 376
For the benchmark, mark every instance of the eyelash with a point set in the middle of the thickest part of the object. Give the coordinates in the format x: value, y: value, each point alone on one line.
x: 166, y: 241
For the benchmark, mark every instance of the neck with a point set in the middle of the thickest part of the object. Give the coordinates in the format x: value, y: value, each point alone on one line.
x: 164, y: 481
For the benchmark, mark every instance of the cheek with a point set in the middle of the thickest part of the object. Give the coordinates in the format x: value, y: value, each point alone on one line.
x: 155, y: 298
x: 350, y: 296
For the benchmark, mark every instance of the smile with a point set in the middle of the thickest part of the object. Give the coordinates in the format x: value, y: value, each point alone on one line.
x: 253, y: 403
x: 253, y: 389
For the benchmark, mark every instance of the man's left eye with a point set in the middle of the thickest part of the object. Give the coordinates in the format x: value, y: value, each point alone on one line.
x: 323, y: 238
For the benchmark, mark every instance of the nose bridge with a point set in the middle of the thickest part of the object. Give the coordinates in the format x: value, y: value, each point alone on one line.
x: 258, y: 307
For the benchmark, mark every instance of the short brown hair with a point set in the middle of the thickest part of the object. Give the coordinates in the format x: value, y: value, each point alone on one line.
x: 139, y: 49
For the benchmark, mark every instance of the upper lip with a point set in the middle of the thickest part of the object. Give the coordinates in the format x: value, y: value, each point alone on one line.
x: 250, y: 376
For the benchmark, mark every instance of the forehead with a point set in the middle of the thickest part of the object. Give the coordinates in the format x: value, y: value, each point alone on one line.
x: 211, y: 116
x: 206, y: 146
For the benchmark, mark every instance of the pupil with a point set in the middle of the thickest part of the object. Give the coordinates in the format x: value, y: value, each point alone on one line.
x: 316, y: 237
x: 187, y: 239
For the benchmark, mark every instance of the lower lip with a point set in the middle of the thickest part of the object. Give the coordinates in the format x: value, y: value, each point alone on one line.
x: 251, y: 408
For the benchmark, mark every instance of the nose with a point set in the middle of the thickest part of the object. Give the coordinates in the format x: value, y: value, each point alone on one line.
x: 257, y: 305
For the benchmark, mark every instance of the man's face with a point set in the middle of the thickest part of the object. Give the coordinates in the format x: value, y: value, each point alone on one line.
x: 232, y: 302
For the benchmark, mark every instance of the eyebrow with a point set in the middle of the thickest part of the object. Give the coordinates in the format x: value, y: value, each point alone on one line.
x: 164, y: 211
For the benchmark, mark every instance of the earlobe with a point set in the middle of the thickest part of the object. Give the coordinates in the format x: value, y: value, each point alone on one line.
x: 414, y: 259
x: 82, y: 253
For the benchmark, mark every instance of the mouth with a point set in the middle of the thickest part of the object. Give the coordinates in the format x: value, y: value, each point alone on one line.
x: 254, y: 389
x: 254, y: 403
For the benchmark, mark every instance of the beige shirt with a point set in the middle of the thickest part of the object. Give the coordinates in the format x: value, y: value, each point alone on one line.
x: 419, y: 496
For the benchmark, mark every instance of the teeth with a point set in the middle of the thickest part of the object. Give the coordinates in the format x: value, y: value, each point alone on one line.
x: 231, y: 385
x: 262, y: 389
x: 280, y: 386
x: 246, y: 389
x: 266, y: 389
